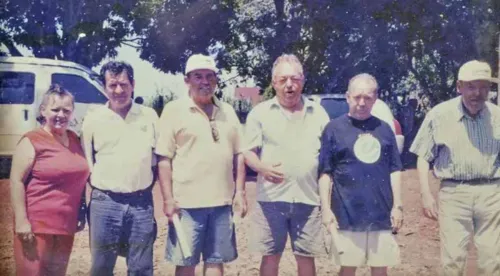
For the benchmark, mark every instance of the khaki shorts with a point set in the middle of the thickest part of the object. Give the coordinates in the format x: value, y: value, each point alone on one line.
x: 374, y: 249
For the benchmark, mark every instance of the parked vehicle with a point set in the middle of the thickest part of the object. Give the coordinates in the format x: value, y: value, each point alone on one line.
x: 23, y: 81
x: 336, y: 105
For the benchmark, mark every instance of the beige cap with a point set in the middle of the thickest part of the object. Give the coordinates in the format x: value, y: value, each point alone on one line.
x: 476, y: 70
x: 199, y: 61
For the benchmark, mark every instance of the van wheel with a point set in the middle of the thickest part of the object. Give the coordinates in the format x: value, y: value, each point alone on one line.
x: 5, y: 163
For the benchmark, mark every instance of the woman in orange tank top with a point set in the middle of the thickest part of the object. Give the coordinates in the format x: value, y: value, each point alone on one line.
x: 47, y: 180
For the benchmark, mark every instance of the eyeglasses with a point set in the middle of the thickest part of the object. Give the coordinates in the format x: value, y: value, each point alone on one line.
x: 198, y: 78
x: 295, y: 79
x: 215, y: 131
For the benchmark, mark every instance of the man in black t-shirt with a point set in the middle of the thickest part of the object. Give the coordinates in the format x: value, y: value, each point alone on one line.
x: 359, y: 163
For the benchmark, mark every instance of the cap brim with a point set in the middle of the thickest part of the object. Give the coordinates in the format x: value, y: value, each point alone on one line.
x: 495, y: 80
x: 200, y: 68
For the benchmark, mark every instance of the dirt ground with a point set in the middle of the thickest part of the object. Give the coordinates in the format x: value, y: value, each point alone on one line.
x: 418, y: 241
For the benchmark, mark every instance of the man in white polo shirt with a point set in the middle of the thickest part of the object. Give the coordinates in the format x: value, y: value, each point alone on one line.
x: 199, y: 137
x: 119, y: 139
x: 287, y: 130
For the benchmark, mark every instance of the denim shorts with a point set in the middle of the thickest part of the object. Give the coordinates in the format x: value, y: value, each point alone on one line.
x: 272, y: 222
x: 209, y: 232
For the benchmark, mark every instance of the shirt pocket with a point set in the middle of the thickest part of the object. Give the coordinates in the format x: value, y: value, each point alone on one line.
x: 145, y: 134
x: 106, y: 137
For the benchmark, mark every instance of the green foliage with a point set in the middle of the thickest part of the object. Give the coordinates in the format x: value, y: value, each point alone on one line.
x: 394, y: 40
x: 162, y: 97
x: 423, y: 42
x: 83, y: 31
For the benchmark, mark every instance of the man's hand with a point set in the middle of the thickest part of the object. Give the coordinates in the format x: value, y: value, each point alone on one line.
x: 240, y: 203
x: 396, y: 219
x: 273, y: 173
x: 429, y: 206
x: 23, y: 230
x: 328, y: 219
x: 170, y: 208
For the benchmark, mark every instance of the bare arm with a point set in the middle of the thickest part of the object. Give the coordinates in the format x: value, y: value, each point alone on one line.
x: 271, y: 172
x: 86, y: 142
x: 239, y: 200
x: 397, y: 207
x: 423, y: 175
x: 22, y: 164
x: 325, y: 189
x: 165, y: 178
x: 253, y: 161
x: 430, y: 209
x: 240, y: 172
x: 396, y: 188
x: 325, y: 186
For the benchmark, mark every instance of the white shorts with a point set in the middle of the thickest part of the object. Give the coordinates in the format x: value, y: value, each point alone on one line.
x: 374, y: 249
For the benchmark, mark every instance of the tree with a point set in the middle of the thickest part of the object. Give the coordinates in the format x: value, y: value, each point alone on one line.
x: 162, y: 97
x: 394, y: 40
x: 181, y: 28
x: 83, y: 31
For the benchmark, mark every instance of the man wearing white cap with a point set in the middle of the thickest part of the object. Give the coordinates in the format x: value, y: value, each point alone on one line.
x: 198, y: 138
x: 462, y: 138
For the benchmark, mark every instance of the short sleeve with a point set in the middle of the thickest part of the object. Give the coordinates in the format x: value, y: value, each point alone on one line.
x: 154, y: 119
x: 323, y: 117
x: 237, y: 135
x: 424, y: 145
x: 165, y: 132
x: 86, y: 137
x: 326, y: 152
x: 395, y: 164
x: 253, y: 131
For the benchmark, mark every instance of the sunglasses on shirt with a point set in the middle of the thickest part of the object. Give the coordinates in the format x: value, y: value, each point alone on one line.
x: 215, y: 131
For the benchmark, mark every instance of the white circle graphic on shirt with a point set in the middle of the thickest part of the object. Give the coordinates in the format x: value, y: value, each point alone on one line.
x: 367, y: 149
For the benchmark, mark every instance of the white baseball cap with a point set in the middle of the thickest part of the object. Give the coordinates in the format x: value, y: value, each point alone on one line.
x: 476, y: 70
x: 199, y: 61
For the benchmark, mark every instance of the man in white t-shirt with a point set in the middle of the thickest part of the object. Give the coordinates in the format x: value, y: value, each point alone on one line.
x: 287, y: 130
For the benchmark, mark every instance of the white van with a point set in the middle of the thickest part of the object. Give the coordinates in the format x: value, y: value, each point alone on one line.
x: 23, y: 81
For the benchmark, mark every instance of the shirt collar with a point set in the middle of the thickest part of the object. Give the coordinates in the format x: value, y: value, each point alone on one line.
x: 190, y: 103
x: 134, y: 109
x: 308, y: 104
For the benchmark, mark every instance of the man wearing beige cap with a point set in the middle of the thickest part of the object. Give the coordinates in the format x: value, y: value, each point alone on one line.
x: 461, y: 137
x: 198, y: 138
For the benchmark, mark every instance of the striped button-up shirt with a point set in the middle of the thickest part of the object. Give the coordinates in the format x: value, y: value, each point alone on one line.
x: 461, y: 147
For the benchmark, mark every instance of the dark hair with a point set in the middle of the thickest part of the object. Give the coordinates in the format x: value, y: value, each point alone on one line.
x: 116, y: 68
x: 54, y: 90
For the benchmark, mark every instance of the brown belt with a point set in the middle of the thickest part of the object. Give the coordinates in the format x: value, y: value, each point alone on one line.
x: 475, y: 181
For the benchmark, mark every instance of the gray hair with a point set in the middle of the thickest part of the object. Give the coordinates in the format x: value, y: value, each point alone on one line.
x: 287, y: 58
x: 366, y: 78
x: 54, y: 90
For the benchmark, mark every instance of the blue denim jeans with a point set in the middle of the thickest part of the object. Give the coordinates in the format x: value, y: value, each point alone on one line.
x: 122, y: 224
x: 209, y: 232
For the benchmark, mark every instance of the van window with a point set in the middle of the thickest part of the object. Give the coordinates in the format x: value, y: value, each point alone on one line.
x: 17, y: 88
x: 82, y: 90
